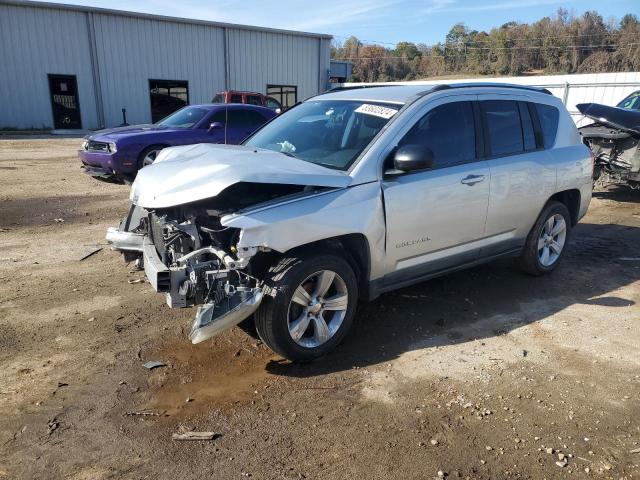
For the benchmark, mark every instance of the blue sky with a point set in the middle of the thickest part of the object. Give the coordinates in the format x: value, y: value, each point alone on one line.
x: 382, y: 21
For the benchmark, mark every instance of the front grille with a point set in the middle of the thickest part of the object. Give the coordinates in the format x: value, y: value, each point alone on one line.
x: 94, y: 146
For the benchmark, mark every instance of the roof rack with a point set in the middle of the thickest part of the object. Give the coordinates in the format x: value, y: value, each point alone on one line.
x: 443, y: 86
x: 356, y: 87
x: 490, y: 84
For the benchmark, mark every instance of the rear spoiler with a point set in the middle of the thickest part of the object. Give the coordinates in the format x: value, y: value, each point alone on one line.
x: 621, y: 118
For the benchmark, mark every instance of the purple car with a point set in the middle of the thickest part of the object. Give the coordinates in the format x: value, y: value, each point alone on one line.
x: 116, y: 154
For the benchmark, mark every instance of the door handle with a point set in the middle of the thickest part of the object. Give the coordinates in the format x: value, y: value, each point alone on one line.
x: 472, y: 179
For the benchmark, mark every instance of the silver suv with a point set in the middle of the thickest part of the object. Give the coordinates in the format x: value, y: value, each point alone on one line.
x: 350, y: 194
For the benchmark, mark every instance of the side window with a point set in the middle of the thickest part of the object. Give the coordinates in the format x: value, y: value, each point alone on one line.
x: 503, y: 127
x: 220, y: 116
x: 448, y: 131
x: 245, y: 119
x: 254, y: 119
x: 254, y: 100
x: 528, y: 131
x: 548, y: 117
x: 235, y: 98
x: 236, y: 119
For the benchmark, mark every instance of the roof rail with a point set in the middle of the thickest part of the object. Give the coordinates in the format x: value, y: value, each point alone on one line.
x: 446, y: 86
x: 493, y: 84
x: 356, y: 87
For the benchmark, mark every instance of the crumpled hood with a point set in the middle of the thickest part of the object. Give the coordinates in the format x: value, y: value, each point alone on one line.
x: 196, y: 172
x: 615, y: 117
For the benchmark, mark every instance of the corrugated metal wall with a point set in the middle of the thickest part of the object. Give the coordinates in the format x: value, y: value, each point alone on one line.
x: 131, y: 50
x: 260, y: 58
x: 35, y: 42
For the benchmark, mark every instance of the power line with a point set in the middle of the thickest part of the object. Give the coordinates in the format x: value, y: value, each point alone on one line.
x: 553, y: 47
x: 584, y: 35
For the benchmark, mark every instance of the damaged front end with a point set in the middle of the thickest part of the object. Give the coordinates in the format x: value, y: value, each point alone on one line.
x: 614, y: 139
x: 189, y: 256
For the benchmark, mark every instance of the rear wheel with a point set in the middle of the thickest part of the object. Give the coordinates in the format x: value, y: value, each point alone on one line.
x: 309, y: 305
x: 547, y: 240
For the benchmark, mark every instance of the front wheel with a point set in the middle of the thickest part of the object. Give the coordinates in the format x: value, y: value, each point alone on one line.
x: 148, y: 155
x: 308, y: 307
x: 547, y: 240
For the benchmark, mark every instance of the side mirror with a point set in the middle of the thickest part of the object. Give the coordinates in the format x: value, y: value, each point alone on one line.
x: 215, y: 126
x: 411, y: 158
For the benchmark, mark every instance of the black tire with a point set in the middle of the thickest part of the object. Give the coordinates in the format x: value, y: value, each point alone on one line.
x: 529, y: 260
x: 281, y: 281
x: 145, y: 152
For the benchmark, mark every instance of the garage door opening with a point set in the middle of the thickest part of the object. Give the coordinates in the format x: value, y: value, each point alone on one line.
x: 64, y: 102
x: 167, y: 96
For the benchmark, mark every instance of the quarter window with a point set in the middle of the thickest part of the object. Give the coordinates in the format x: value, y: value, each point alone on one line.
x: 548, y: 116
x: 503, y: 127
x: 448, y: 131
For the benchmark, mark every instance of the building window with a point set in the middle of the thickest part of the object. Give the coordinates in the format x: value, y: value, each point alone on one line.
x: 286, y: 95
x: 167, y: 96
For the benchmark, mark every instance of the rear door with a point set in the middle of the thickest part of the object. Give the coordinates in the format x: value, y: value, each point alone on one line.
x: 523, y: 175
x: 436, y: 218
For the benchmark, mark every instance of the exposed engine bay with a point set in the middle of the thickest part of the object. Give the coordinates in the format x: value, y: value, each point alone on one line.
x: 615, y: 142
x: 187, y: 254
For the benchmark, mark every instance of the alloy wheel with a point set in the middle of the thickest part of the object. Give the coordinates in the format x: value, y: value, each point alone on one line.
x: 552, y: 239
x: 317, y: 308
x: 150, y: 157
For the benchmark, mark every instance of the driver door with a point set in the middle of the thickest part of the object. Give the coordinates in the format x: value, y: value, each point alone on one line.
x: 436, y: 217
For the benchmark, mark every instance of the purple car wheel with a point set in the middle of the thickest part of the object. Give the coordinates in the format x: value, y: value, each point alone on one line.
x: 149, y: 155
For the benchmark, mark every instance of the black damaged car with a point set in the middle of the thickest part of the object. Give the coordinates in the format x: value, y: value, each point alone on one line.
x: 614, y: 139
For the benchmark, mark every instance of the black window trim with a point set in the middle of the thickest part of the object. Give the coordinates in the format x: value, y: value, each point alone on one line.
x: 537, y: 127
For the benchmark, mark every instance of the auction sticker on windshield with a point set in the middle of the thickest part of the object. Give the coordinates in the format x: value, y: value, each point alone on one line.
x: 376, y: 110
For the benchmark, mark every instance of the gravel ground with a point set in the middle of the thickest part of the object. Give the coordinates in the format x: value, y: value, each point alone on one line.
x: 483, y: 374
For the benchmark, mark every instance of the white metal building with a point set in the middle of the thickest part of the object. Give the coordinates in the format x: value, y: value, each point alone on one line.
x: 69, y: 67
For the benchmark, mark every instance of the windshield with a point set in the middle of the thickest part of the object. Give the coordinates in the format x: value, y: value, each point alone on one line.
x: 632, y: 102
x: 331, y: 133
x: 186, y: 117
x: 219, y: 98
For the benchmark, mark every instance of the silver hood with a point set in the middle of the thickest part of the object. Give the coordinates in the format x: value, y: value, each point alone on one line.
x: 196, y: 172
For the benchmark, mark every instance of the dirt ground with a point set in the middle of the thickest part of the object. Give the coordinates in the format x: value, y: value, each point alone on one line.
x: 480, y: 375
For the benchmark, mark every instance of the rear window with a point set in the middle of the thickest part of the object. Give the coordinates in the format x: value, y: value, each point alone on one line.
x: 548, y: 117
x: 503, y: 127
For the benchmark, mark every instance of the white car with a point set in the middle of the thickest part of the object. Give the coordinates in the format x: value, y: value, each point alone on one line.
x: 353, y: 193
